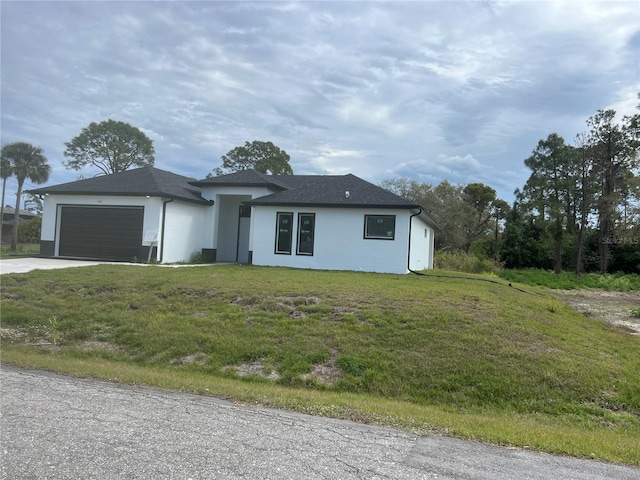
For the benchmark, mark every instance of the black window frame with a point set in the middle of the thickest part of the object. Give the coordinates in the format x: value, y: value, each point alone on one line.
x: 368, y: 236
x: 280, y: 215
x: 300, y: 242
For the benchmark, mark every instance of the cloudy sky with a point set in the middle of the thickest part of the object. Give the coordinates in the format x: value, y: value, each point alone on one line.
x: 427, y: 90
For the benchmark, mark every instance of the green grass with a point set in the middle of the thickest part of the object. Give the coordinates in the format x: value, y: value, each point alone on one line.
x: 569, y: 280
x: 468, y: 358
x: 22, y: 250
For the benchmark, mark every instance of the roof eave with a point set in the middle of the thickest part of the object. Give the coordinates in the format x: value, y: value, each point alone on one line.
x: 258, y: 203
x: 201, y: 201
x: 202, y: 184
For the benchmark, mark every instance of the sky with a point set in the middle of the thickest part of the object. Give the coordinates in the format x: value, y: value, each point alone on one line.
x: 424, y: 90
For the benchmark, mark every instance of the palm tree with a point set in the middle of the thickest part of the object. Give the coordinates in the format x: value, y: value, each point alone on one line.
x: 6, y: 171
x: 29, y: 162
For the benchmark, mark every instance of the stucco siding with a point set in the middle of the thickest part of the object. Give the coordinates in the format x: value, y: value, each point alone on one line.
x: 339, y: 242
x: 184, y: 225
x: 422, y: 237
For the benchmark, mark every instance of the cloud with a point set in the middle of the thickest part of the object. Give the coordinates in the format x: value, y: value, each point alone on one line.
x: 429, y: 90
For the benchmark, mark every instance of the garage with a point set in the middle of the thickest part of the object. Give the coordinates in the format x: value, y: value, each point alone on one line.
x: 104, y: 233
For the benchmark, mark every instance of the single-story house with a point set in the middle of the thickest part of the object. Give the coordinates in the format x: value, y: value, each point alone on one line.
x: 8, y: 221
x: 334, y: 222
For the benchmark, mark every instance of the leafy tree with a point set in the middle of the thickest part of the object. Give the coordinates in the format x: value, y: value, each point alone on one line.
x: 479, y: 199
x: 29, y: 162
x: 410, y: 189
x: 550, y: 188
x: 522, y: 243
x: 6, y: 171
x: 463, y: 213
x: 263, y: 157
x: 111, y: 146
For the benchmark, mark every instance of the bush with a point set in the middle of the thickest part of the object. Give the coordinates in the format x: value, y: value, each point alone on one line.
x: 199, y: 258
x: 29, y: 231
x: 568, y: 280
x: 464, y: 262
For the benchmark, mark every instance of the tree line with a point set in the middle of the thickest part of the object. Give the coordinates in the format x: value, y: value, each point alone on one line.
x: 578, y: 210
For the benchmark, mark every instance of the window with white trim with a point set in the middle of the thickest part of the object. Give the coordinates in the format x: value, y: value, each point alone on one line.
x: 380, y: 227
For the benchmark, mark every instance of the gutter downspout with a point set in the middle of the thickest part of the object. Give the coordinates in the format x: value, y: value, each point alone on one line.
x: 409, y: 249
x: 164, y: 217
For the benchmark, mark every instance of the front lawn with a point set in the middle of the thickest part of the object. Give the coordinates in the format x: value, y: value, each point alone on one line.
x: 474, y: 359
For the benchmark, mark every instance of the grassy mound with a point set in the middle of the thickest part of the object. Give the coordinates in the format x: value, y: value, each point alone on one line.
x: 462, y: 346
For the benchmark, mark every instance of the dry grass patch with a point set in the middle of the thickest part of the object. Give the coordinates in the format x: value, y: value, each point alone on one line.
x: 614, y: 308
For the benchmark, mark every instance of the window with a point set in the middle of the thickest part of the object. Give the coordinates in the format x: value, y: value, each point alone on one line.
x: 245, y: 211
x: 284, y: 231
x: 306, y: 228
x: 380, y: 227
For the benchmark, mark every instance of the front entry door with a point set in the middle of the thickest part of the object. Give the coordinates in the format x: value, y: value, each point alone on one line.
x: 244, y: 227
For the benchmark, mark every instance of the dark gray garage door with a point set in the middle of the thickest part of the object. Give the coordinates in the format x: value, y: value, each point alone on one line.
x: 104, y: 233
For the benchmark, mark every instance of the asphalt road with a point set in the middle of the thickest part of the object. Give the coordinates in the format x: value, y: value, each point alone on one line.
x: 57, y: 427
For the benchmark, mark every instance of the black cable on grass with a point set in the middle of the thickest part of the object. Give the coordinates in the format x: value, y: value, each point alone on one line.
x: 490, y: 280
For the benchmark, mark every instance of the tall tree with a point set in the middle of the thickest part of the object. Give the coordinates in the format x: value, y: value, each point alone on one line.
x: 6, y: 171
x: 27, y: 162
x: 111, y: 146
x: 550, y: 186
x: 263, y: 157
x: 585, y: 168
x: 500, y: 210
x: 614, y: 153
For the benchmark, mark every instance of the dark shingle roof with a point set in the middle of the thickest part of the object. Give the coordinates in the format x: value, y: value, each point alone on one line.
x: 312, y: 190
x: 244, y: 178
x: 332, y: 190
x: 143, y: 181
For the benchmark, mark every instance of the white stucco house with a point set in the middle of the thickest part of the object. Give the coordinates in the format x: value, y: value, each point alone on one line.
x: 339, y: 222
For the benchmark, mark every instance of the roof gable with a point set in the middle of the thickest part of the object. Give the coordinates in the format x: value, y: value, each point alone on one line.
x: 145, y: 181
x: 244, y: 178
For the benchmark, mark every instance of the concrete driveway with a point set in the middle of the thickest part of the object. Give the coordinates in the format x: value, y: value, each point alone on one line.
x: 26, y: 264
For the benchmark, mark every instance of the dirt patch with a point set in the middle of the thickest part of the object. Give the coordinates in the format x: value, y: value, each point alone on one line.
x: 293, y: 306
x: 614, y: 308
x: 328, y: 372
x: 13, y: 334
x: 193, y: 359
x: 256, y: 367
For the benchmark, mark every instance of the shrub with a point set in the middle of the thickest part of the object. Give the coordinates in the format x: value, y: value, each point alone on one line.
x: 569, y: 280
x: 464, y: 262
x: 29, y: 231
x: 199, y: 258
